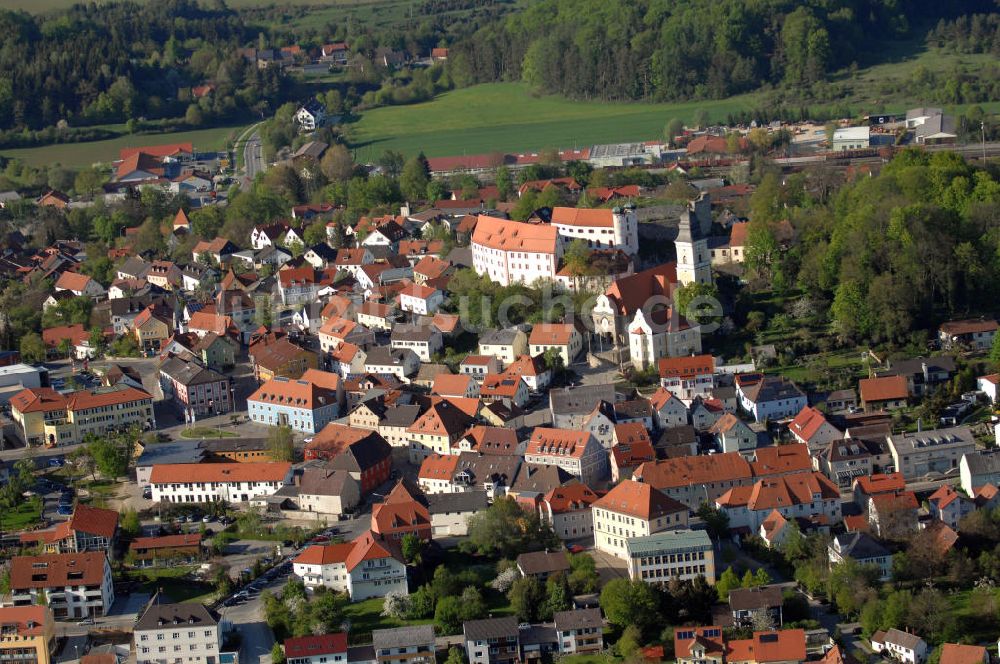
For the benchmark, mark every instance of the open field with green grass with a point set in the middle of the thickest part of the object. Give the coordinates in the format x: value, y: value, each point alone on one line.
x: 506, y: 116
x: 173, y: 582
x: 24, y: 515
x: 509, y: 117
x: 367, y: 615
x: 85, y: 154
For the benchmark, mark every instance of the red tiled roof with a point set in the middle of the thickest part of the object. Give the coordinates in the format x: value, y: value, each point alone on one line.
x: 557, y: 442
x: 492, y: 440
x: 27, y: 621
x: 300, y: 393
x: 77, y: 334
x: 182, y: 473
x: 781, y: 459
x: 786, y: 645
x: 591, y: 218
x: 954, y: 653
x: 944, y: 496
x: 418, y: 291
x: 781, y: 492
x: 368, y: 547
x: 57, y: 570
x: 451, y: 385
x: 166, y: 150
x: 639, y: 500
x: 446, y: 417
x: 881, y: 483
x: 324, y: 554
x: 431, y: 267
x: 807, y: 423
x: 506, y: 235
x: 682, y: 471
x: 438, y: 467
x: 630, y: 455
x: 396, y: 516
x: 94, y: 521
x: 883, y: 388
x: 686, y: 367
x: 72, y: 281
x: 500, y: 385
x: 315, y: 646
x: 660, y: 398
x: 631, y: 293
x: 570, y: 498
x: 551, y: 334
x: 897, y: 500
x: 738, y: 234
x: 856, y: 523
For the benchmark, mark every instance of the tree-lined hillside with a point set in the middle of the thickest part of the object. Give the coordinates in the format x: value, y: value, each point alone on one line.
x: 114, y: 62
x: 682, y: 49
x: 902, y: 251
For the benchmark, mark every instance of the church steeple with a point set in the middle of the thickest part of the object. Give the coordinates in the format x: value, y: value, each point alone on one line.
x: 694, y: 263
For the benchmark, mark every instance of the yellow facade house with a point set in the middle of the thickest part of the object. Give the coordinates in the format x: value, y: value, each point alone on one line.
x: 47, y: 417
x: 27, y: 634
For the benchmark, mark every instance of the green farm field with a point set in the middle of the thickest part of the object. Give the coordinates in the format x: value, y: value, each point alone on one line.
x: 506, y: 116
x: 84, y: 154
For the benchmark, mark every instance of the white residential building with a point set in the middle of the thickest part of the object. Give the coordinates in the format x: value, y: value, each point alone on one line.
x: 211, y: 482
x: 367, y: 567
x: 633, y: 509
x: 514, y: 252
x: 599, y: 228
x: 576, y: 452
x: 688, y: 377
x: 188, y: 632
x: 73, y: 585
x: 936, y: 451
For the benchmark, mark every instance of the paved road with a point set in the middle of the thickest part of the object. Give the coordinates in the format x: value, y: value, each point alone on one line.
x: 253, y: 157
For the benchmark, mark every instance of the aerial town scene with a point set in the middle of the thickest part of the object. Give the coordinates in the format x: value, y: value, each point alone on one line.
x: 499, y: 332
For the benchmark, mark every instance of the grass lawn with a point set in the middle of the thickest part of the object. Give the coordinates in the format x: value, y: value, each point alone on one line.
x: 206, y: 432
x: 174, y: 582
x: 85, y: 154
x: 367, y: 615
x: 971, y: 623
x: 506, y: 116
x: 24, y: 515
x: 589, y: 659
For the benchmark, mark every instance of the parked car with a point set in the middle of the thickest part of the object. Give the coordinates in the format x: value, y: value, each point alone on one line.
x: 65, y: 510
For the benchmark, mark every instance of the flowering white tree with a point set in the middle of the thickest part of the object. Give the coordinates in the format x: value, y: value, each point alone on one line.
x: 397, y: 604
x: 505, y: 579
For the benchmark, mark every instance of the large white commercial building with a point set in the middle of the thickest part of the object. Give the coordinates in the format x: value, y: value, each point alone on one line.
x: 675, y: 554
x: 514, y: 252
x: 210, y: 482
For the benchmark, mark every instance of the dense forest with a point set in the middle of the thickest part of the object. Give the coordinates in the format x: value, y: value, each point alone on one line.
x: 115, y: 62
x: 889, y: 254
x: 681, y: 49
